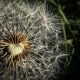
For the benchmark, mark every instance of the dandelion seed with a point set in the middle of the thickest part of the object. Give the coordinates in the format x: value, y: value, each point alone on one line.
x: 30, y: 41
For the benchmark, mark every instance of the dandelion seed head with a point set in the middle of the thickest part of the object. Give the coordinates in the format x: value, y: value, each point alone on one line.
x: 30, y: 29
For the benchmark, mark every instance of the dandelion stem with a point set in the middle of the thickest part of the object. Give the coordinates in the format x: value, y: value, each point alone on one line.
x: 63, y: 15
x: 64, y: 32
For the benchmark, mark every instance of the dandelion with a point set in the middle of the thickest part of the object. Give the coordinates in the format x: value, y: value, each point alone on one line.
x: 31, y: 42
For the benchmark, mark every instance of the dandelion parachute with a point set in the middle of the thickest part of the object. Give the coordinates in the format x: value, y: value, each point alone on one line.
x: 39, y: 38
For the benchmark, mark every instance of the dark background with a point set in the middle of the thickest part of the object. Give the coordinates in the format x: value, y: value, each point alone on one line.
x: 72, y: 12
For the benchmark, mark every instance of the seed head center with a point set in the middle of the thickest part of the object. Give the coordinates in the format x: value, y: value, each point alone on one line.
x: 16, y: 49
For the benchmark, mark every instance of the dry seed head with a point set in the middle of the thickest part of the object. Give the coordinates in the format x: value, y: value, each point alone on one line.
x: 27, y: 28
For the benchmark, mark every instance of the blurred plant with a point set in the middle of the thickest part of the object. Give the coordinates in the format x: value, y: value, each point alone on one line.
x: 67, y: 30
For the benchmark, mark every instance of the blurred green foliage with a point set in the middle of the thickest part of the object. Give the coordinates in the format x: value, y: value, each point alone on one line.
x: 69, y: 10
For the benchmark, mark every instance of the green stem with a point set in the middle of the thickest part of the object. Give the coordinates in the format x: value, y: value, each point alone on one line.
x: 53, y: 2
x: 63, y: 15
x: 64, y: 21
x: 64, y: 33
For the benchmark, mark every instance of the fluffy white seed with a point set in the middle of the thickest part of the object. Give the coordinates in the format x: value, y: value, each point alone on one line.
x: 43, y: 31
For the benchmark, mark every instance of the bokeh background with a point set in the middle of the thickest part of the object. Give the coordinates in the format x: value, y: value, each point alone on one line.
x: 69, y: 10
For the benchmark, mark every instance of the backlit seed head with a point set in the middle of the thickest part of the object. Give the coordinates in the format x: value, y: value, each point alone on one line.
x: 31, y: 41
